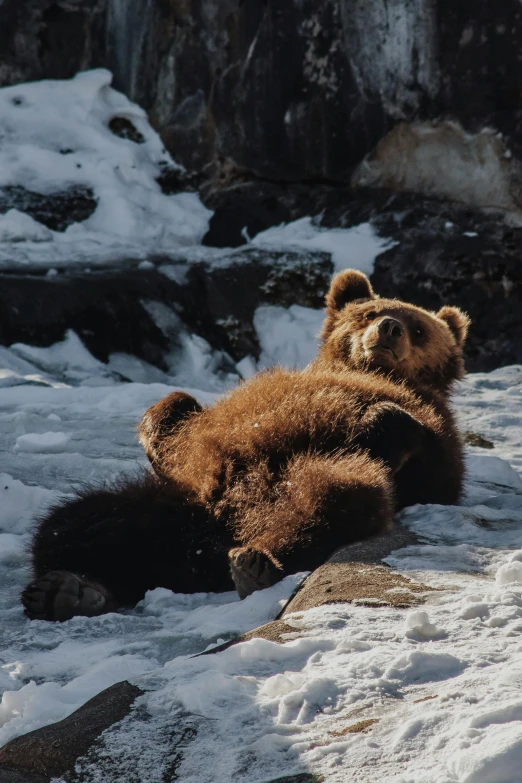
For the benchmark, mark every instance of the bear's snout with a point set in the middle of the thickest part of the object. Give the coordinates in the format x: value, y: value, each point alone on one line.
x: 390, y: 329
x: 385, y: 342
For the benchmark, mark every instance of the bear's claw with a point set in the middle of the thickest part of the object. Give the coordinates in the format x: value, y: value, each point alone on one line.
x: 60, y: 595
x: 252, y: 570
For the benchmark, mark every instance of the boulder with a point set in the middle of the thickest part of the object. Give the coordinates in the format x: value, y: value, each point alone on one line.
x: 52, y: 751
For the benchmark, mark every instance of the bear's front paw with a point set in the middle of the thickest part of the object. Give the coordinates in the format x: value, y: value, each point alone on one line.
x: 391, y: 434
x: 252, y: 570
x: 60, y: 595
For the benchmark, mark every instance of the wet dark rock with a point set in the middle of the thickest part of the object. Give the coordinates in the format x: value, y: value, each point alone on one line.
x: 105, y: 310
x: 112, y: 758
x: 123, y: 127
x: 301, y: 777
x: 173, y: 179
x: 450, y: 255
x: 56, y: 210
x: 477, y: 440
x: 94, y: 743
x: 242, y: 213
x: 445, y: 253
x: 219, y: 301
x: 113, y: 310
x: 20, y: 776
x: 53, y: 750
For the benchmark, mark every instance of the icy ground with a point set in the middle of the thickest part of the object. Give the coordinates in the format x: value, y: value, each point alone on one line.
x: 441, y: 686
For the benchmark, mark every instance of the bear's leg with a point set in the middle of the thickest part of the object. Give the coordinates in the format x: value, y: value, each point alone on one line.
x: 319, y: 503
x: 391, y: 434
x: 162, y: 420
x: 105, y: 548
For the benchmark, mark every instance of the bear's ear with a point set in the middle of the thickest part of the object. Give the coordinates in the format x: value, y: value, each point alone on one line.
x: 346, y: 287
x: 457, y: 321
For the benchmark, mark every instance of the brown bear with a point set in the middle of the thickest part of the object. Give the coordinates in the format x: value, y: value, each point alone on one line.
x: 274, y: 476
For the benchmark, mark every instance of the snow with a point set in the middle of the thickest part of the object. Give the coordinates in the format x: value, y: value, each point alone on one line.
x: 54, y: 136
x: 43, y: 442
x: 509, y: 572
x: 418, y: 624
x: 350, y: 248
x: 16, y: 226
x: 287, y: 336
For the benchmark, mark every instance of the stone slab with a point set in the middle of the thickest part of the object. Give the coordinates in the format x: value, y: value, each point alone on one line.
x: 52, y: 750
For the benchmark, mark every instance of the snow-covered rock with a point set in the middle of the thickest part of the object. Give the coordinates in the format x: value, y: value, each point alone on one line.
x: 73, y: 135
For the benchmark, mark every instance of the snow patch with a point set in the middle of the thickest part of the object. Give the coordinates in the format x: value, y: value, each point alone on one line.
x: 54, y: 136
x: 418, y: 624
x: 350, y: 248
x: 509, y: 572
x: 16, y: 226
x: 43, y: 443
x: 287, y: 336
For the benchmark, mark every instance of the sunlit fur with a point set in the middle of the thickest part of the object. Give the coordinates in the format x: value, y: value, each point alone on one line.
x: 290, y: 463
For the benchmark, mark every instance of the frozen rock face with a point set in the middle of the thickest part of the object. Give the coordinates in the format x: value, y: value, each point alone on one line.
x: 289, y: 91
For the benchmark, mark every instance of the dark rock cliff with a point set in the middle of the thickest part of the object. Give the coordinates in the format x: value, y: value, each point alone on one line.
x: 285, y: 90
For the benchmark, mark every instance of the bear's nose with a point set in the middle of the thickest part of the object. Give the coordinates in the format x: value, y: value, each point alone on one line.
x: 390, y: 327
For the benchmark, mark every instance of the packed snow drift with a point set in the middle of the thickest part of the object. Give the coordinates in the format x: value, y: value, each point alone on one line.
x: 55, y: 136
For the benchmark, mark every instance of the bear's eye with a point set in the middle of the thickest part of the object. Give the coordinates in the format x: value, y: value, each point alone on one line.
x: 418, y: 330
x: 371, y: 316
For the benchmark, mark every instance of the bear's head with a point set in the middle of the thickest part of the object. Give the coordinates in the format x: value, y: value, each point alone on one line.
x: 405, y: 342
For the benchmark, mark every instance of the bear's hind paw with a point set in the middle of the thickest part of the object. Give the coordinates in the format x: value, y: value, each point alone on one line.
x: 60, y: 595
x: 252, y: 570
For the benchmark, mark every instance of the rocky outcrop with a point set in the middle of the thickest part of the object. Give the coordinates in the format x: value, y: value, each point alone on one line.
x: 286, y: 91
x: 441, y: 159
x: 56, y: 210
x: 444, y: 254
x: 143, y: 311
x: 397, y: 95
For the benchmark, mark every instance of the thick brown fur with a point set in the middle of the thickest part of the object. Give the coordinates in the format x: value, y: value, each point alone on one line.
x: 293, y: 464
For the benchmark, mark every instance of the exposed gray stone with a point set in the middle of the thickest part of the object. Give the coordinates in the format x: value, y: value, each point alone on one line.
x: 301, y: 777
x: 54, y: 749
x: 56, y: 210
